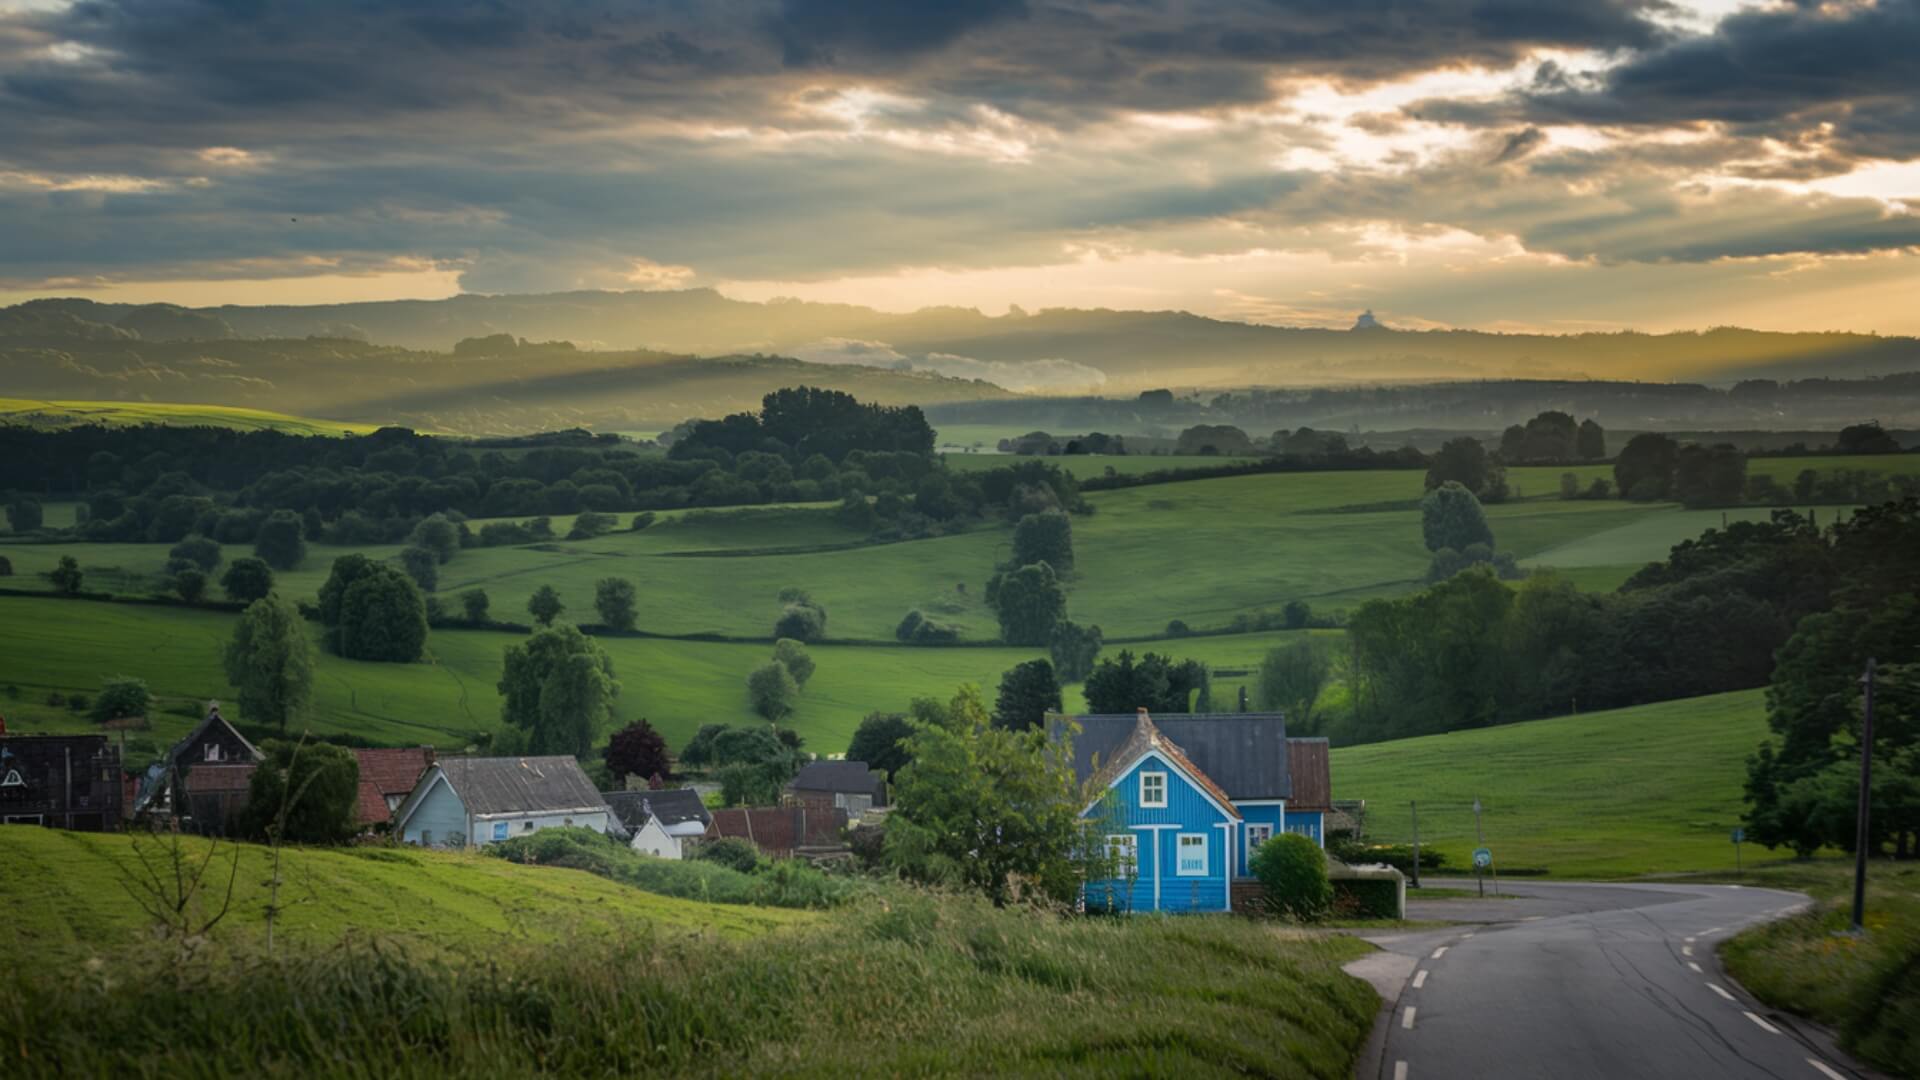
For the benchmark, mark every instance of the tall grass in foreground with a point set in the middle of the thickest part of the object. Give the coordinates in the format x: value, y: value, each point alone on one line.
x: 921, y: 985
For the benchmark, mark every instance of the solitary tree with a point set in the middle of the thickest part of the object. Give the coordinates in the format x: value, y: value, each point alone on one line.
x: 1591, y: 441
x: 1028, y: 691
x: 772, y: 689
x: 282, y: 540
x: 558, y: 687
x: 1644, y: 469
x: 1073, y: 649
x: 190, y: 585
x: 66, y: 577
x: 373, y: 611
x: 247, y: 579
x: 617, y: 602
x: 1450, y: 517
x: 122, y: 696
x: 475, y: 603
x: 544, y: 605
x: 269, y: 662
x: 1465, y: 462
x: 1030, y: 602
x: 801, y: 617
x: 794, y: 657
x: 1044, y: 537
x: 198, y: 550
x: 638, y: 750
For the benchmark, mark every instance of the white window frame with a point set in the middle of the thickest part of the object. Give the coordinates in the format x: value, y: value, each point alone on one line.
x: 1180, y: 857
x: 500, y: 830
x: 1153, y: 804
x: 1252, y: 844
x: 1125, y: 864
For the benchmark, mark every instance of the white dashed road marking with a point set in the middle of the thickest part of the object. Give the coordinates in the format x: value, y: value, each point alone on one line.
x: 1440, y: 952
x: 1689, y: 941
x: 1764, y: 1026
x: 1406, y: 1018
x: 1399, y: 1070
x: 1686, y: 950
x: 1419, y: 979
x: 1695, y: 967
x: 1815, y: 1062
x: 1716, y: 989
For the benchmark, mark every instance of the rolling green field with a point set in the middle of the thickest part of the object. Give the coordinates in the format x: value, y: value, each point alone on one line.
x: 1646, y: 790
x: 1085, y: 466
x: 60, y: 414
x: 63, y: 894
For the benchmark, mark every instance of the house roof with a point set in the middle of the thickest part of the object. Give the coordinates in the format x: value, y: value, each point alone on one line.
x: 213, y: 717
x: 1147, y: 738
x: 1244, y: 754
x: 209, y: 779
x: 520, y: 785
x: 1312, y: 774
x: 385, y: 773
x: 673, y: 806
x: 780, y: 828
x: 851, y: 777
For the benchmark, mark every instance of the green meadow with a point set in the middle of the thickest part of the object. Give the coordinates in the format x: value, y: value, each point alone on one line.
x: 1646, y: 790
x: 60, y: 414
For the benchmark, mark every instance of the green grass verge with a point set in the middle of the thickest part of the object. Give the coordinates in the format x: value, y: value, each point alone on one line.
x: 1867, y: 988
x: 61, y: 414
x: 64, y: 896
x: 1651, y: 789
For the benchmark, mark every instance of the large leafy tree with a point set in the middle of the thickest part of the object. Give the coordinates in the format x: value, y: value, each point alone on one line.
x: 373, y: 611
x: 1157, y: 683
x: 544, y: 605
x: 247, y: 579
x: 879, y: 741
x: 1028, y: 692
x: 269, y: 662
x: 303, y: 793
x: 1644, y: 469
x: 1046, y: 537
x: 1073, y: 649
x: 793, y: 656
x: 617, y: 602
x: 1465, y: 462
x: 1291, y: 679
x: 982, y: 807
x: 638, y: 750
x: 1030, y: 602
x: 282, y: 540
x: 1591, y: 440
x: 1450, y: 517
x: 122, y: 696
x: 558, y: 687
x: 771, y: 688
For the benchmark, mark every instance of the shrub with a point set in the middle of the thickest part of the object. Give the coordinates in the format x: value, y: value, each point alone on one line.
x: 917, y: 629
x: 589, y: 524
x: 1178, y: 628
x: 423, y: 566
x: 1398, y: 856
x: 794, y: 656
x: 474, y: 602
x: 618, y: 603
x: 190, y: 584
x: 1293, y: 870
x: 787, y: 884
x: 731, y: 852
x: 67, y: 577
x: 1366, y: 898
x: 800, y: 618
x: 122, y: 696
x: 642, y: 519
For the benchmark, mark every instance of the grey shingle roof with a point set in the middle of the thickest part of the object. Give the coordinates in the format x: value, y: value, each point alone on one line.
x: 672, y: 806
x: 521, y: 785
x: 1244, y: 753
x: 853, y: 777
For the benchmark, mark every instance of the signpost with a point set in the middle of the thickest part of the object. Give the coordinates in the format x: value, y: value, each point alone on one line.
x: 1480, y: 837
x: 1739, y: 834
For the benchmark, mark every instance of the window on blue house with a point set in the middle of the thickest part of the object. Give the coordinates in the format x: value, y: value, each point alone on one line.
x: 499, y: 830
x: 1192, y: 855
x: 1124, y: 851
x: 1257, y: 834
x: 1153, y: 789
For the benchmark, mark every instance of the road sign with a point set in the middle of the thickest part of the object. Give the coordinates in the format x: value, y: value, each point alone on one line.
x: 1739, y: 835
x: 1482, y: 857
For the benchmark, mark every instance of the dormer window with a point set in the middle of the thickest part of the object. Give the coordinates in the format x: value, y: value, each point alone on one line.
x: 213, y: 751
x: 1153, y: 789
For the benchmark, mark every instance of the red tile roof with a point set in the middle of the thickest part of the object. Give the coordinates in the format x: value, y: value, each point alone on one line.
x: 388, y: 772
x: 1308, y: 762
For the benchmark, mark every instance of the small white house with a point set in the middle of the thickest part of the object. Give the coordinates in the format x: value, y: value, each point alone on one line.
x: 467, y: 802
x: 660, y: 822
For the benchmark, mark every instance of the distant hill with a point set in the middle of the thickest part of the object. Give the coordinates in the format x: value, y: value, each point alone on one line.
x: 1134, y: 349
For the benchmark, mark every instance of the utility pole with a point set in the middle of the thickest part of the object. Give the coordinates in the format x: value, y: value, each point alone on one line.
x: 1865, y: 808
x: 1415, y: 807
x: 1480, y: 839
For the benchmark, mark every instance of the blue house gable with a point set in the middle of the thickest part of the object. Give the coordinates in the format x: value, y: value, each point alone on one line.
x: 1234, y: 779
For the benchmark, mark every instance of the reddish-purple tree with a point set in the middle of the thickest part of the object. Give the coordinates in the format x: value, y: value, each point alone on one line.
x: 637, y: 750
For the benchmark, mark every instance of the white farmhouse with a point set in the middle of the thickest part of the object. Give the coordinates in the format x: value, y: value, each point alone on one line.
x: 466, y: 802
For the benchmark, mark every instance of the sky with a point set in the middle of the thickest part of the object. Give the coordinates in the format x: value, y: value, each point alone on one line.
x: 1498, y: 164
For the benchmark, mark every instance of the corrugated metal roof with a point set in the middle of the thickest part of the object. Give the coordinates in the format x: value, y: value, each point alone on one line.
x: 852, y: 777
x: 673, y: 806
x: 1244, y: 753
x: 1310, y: 766
x: 520, y: 785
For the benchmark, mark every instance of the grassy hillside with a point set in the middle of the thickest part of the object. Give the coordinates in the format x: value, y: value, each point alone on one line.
x: 1652, y: 789
x: 60, y: 414
x: 63, y: 894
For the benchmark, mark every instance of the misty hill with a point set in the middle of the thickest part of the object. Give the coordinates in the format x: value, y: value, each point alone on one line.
x: 497, y: 386
x: 1114, y: 351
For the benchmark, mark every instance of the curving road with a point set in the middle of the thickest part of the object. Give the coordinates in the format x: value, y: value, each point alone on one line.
x: 1580, y: 981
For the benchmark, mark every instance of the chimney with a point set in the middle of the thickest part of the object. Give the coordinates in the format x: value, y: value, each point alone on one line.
x: 1142, y: 712
x: 428, y: 751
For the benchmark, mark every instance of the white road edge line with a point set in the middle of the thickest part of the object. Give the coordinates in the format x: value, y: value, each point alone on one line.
x: 1686, y: 950
x: 1695, y: 967
x: 1400, y: 1071
x: 1716, y: 988
x: 1689, y: 941
x: 1419, y: 979
x: 1764, y: 1026
x: 1815, y: 1062
x: 1440, y: 952
x: 1406, y: 1018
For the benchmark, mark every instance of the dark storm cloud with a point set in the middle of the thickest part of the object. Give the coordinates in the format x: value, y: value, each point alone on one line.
x: 817, y: 31
x: 1778, y: 72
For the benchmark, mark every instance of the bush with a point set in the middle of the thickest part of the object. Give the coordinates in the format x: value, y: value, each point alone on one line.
x: 589, y: 524
x: 641, y: 520
x: 731, y: 852
x: 1293, y: 870
x: 423, y: 566
x: 917, y: 629
x: 122, y: 696
x: 198, y: 551
x: 246, y: 580
x: 787, y: 884
x: 1366, y: 898
x: 190, y: 585
x: 1398, y: 856
x: 800, y: 619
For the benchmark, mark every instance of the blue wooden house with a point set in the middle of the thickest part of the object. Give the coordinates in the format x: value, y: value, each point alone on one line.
x: 1186, y: 799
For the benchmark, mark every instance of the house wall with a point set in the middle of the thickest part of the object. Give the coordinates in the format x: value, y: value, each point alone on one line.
x: 440, y: 820
x: 1159, y: 886
x: 654, y: 840
x: 1263, y: 813
x: 1310, y: 824
x: 486, y: 831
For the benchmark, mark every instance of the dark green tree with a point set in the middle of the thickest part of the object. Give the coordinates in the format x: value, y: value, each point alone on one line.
x: 437, y: 534
x: 1644, y: 469
x: 269, y: 662
x: 617, y: 602
x: 1046, y: 537
x: 793, y: 656
x: 199, y: 551
x: 1292, y: 678
x: 1465, y: 462
x: 1028, y: 691
x: 1073, y: 649
x: 423, y: 566
x: 373, y: 611
x: 545, y: 606
x: 879, y: 741
x: 1867, y: 438
x: 801, y: 618
x: 1450, y: 517
x: 120, y: 697
x: 771, y: 688
x: 247, y: 579
x: 66, y: 576
x: 1030, y: 602
x: 1709, y: 475
x: 303, y: 793
x: 190, y: 585
x: 24, y: 514
x: 1591, y: 441
x: 282, y: 540
x: 474, y: 603
x: 557, y: 687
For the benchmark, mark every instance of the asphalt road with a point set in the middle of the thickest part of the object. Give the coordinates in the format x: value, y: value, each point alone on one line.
x: 1586, y: 981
